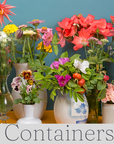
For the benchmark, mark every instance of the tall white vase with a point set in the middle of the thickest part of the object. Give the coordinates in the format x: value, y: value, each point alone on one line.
x: 66, y: 110
x: 18, y: 108
x: 29, y: 116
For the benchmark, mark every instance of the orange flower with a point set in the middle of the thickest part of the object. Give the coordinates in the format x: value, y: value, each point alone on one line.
x: 27, y: 74
x: 4, y: 11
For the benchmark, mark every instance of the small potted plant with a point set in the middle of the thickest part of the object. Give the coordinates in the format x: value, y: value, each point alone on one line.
x: 28, y: 88
x: 108, y: 104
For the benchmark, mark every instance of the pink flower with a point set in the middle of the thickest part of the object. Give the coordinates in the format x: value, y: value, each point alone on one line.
x: 44, y: 29
x: 55, y: 65
x: 28, y: 88
x: 47, y: 38
x: 21, y: 26
x: 62, y: 80
x: 36, y: 22
x: 81, y: 40
x: 63, y: 60
x: 15, y: 86
x: 16, y: 79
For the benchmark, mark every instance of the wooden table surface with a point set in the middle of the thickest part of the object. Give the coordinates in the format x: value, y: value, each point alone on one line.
x: 48, y: 118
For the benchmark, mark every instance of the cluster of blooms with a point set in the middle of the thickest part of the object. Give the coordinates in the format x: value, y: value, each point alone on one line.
x: 109, y: 94
x: 25, y: 78
x: 79, y: 29
x: 77, y: 64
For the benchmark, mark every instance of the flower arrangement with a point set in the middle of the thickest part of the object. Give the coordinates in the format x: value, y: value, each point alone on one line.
x: 27, y: 36
x: 70, y: 75
x: 27, y: 87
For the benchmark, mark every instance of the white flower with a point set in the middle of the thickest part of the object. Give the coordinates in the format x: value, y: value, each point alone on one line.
x: 29, y: 32
x: 82, y: 66
x: 2, y: 36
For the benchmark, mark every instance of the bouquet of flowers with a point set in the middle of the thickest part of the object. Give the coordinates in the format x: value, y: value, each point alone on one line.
x: 70, y: 75
x: 27, y: 87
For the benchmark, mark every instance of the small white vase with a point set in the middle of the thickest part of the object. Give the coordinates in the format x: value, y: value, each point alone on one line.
x: 29, y: 116
x: 108, y: 113
x: 66, y: 110
x: 18, y: 108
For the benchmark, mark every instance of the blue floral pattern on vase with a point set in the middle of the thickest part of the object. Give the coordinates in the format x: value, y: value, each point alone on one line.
x: 81, y: 109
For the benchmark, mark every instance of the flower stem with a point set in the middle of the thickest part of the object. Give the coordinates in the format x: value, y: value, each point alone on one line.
x: 24, y: 47
x: 29, y: 48
x: 13, y: 48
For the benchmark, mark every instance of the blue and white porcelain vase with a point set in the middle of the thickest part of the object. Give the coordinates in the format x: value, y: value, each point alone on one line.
x: 66, y: 110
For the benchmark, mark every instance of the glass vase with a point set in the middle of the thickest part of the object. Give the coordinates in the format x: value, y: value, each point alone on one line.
x: 93, y: 106
x: 6, y: 100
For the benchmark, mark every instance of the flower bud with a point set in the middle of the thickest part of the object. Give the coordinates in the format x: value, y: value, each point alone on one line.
x: 19, y: 34
x: 106, y: 78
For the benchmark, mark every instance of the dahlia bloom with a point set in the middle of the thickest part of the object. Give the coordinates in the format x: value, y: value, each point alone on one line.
x: 4, y: 11
x: 62, y: 80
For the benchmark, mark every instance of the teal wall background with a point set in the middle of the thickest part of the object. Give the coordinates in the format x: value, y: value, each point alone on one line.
x: 53, y: 11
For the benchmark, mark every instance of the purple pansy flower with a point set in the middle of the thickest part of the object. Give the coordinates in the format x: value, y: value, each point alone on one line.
x: 55, y: 65
x: 62, y: 80
x: 63, y: 60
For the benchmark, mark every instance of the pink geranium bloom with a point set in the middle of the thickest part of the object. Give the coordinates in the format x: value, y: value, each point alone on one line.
x: 4, y: 11
x: 47, y: 38
x: 81, y: 40
x: 112, y: 18
x: 62, y: 80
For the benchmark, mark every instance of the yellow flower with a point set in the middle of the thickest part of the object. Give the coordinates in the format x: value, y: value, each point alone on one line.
x: 46, y: 48
x: 10, y: 28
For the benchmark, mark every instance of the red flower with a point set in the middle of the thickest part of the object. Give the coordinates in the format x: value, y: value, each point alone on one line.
x: 112, y: 18
x: 4, y: 11
x: 66, y: 23
x: 106, y: 78
x: 81, y: 40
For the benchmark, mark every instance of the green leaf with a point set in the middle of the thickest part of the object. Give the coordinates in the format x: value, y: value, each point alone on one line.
x: 102, y: 94
x: 16, y: 101
x: 37, y: 100
x: 112, y: 59
x: 18, y: 52
x: 53, y: 93
x: 63, y: 55
x: 73, y: 84
x: 94, y: 81
x: 75, y: 56
x: 86, y: 77
x: 70, y: 93
x: 79, y: 90
x: 80, y: 97
x: 23, y: 60
x: 48, y: 71
x: 55, y: 39
x: 38, y: 76
x: 101, y: 85
x: 75, y: 96
x: 55, y: 48
x: 65, y: 73
x: 106, y: 59
x: 99, y: 76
